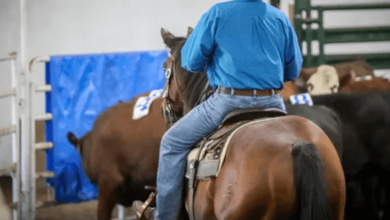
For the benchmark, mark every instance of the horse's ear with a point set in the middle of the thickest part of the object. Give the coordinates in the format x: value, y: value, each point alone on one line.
x: 73, y: 139
x: 189, y: 31
x: 347, y: 79
x: 169, y: 39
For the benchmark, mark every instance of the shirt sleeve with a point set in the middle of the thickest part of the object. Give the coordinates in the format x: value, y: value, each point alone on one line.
x: 200, y: 45
x: 293, y: 55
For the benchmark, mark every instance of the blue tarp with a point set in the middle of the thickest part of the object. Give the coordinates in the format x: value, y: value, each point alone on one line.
x: 84, y: 86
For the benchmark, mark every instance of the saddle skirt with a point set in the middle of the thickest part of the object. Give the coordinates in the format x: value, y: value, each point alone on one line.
x: 207, y: 157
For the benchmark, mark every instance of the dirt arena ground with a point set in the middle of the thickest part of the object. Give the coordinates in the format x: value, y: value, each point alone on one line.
x: 78, y: 211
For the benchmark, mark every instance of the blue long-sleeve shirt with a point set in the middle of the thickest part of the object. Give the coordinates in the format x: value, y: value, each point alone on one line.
x: 244, y: 44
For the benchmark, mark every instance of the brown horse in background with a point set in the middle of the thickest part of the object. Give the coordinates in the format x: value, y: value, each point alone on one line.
x: 283, y: 168
x: 120, y: 154
x: 348, y: 84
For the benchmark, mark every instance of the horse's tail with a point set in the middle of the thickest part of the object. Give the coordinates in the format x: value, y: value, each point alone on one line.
x: 311, y: 194
x: 73, y: 139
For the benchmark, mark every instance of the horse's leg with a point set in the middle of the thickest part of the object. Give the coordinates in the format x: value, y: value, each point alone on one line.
x: 107, y: 198
x: 386, y: 206
x: 368, y: 185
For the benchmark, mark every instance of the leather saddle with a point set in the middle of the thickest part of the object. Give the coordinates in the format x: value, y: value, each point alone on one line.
x: 206, y: 157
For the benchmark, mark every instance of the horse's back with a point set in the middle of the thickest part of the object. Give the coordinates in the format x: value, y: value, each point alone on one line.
x: 257, y: 178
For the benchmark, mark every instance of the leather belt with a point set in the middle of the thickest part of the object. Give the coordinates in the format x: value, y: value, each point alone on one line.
x: 247, y: 92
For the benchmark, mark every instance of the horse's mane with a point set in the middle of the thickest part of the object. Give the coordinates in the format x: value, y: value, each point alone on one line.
x: 193, y: 83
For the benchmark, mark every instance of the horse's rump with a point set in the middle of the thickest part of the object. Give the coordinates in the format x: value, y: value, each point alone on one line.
x: 257, y: 178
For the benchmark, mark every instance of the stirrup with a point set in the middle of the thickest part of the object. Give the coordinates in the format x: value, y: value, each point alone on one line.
x: 141, y: 211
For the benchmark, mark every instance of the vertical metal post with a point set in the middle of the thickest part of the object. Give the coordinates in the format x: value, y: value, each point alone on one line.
x: 15, y: 143
x: 23, y: 46
x: 121, y: 212
x: 32, y: 151
x: 321, y: 37
x: 25, y: 199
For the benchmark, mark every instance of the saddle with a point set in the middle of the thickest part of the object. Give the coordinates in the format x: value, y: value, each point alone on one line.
x: 207, y: 157
x: 209, y: 153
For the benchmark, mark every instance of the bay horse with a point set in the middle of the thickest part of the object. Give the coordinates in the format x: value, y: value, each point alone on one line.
x: 138, y: 142
x: 284, y: 168
x: 120, y: 154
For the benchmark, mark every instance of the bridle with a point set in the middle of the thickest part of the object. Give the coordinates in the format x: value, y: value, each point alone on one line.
x: 169, y: 115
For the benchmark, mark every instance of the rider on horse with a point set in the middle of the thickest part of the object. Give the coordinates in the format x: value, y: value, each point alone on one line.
x: 249, y: 50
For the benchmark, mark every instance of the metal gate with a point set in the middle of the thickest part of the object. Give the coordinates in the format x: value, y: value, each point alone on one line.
x: 14, y: 130
x: 306, y: 33
x: 33, y: 146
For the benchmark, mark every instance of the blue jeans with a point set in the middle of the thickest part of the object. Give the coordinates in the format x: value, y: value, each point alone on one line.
x: 178, y: 140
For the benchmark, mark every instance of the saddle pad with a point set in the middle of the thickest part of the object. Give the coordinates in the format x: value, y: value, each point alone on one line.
x: 142, y: 106
x: 211, y: 161
x: 301, y: 99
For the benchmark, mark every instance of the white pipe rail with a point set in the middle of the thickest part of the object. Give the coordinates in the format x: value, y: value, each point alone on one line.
x: 45, y: 88
x: 9, y: 56
x: 32, y: 145
x: 14, y: 130
x: 10, y: 168
x: 45, y: 117
x: 7, y: 92
x: 45, y: 174
x: 8, y: 130
x: 44, y: 146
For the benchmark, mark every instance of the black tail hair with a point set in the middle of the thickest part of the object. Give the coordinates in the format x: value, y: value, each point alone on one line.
x: 309, y: 178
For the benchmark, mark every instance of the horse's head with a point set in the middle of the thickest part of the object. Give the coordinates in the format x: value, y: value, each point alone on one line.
x: 183, y: 90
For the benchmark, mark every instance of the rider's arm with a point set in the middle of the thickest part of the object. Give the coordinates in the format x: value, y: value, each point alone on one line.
x: 199, y: 47
x: 293, y: 56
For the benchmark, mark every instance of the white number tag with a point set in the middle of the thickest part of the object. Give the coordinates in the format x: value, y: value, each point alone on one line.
x: 142, y: 105
x: 301, y: 99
